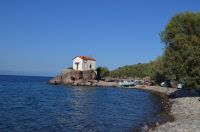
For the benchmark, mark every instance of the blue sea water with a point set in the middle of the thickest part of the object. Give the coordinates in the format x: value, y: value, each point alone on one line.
x: 31, y: 104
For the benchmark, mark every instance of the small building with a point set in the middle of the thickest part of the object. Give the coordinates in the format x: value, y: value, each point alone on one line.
x: 84, y: 63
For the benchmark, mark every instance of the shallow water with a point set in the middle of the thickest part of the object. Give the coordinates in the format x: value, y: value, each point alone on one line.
x: 30, y: 104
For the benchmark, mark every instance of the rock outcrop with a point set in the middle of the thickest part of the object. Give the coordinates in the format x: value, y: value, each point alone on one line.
x: 80, y: 78
x: 55, y: 80
x: 74, y: 77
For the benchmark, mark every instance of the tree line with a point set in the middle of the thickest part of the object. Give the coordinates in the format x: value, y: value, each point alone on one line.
x: 180, y: 61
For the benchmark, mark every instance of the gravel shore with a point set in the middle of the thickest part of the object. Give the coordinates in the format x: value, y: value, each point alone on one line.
x: 185, y: 109
x: 158, y: 89
x: 186, y: 112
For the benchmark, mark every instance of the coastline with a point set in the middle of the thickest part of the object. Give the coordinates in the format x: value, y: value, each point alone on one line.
x: 184, y: 108
x: 180, y: 113
x: 155, y: 89
x: 186, y: 112
x: 165, y: 112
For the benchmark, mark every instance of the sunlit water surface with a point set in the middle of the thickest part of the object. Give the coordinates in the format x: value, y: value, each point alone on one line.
x: 31, y: 104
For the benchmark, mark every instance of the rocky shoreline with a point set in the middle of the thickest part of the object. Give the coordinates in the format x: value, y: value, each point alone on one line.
x: 80, y: 78
x: 165, y: 113
x: 155, y: 89
x: 186, y: 112
x: 182, y: 106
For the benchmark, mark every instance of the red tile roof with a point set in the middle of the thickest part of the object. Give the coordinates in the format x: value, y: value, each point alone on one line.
x: 86, y: 58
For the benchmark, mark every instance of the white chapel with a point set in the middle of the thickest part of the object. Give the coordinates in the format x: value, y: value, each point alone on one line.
x: 84, y: 63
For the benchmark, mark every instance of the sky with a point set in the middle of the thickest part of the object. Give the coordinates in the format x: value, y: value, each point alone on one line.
x: 41, y: 37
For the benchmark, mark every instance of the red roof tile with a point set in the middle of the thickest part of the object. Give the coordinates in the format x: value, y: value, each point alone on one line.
x: 86, y: 58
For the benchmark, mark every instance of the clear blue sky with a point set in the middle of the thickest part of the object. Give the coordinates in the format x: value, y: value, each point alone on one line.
x: 41, y: 37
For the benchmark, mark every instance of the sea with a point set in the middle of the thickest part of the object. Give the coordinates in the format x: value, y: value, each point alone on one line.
x: 31, y: 104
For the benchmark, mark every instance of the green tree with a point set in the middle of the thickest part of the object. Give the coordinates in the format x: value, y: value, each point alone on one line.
x: 102, y: 72
x: 158, y: 71
x: 182, y: 49
x: 138, y: 70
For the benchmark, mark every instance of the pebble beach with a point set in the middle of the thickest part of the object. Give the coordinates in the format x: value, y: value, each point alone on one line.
x: 185, y: 109
x: 186, y: 112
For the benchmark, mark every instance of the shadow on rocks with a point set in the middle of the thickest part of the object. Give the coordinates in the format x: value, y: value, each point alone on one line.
x: 185, y: 93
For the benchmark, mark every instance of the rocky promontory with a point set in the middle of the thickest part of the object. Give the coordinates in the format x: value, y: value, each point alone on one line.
x: 79, y: 78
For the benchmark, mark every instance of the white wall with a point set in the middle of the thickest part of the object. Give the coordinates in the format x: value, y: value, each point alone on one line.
x: 87, y: 63
x: 80, y: 66
x: 84, y: 65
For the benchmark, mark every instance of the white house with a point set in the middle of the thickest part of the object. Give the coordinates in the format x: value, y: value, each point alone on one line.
x: 84, y: 63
